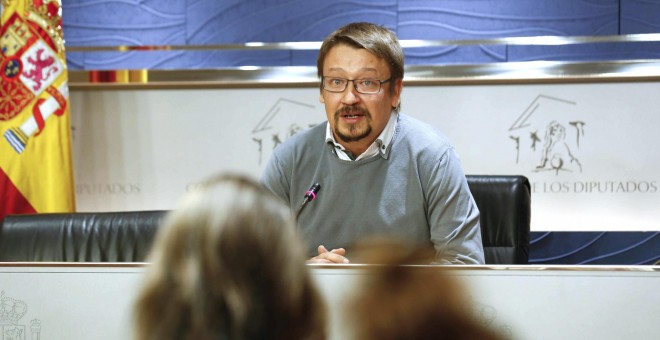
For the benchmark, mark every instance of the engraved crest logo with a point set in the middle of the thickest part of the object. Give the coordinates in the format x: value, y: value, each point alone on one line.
x: 547, y: 136
x: 284, y: 119
x: 11, y: 312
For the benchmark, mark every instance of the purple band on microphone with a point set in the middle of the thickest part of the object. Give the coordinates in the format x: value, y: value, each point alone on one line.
x: 311, y: 193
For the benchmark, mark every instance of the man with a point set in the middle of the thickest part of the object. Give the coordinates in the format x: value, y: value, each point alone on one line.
x: 382, y: 173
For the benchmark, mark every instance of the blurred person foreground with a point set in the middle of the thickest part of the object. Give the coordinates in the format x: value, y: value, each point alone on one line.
x: 401, y: 300
x: 228, y: 264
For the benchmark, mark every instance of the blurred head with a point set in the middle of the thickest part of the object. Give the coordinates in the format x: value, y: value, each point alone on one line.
x: 360, y: 55
x: 228, y: 262
x: 410, y: 302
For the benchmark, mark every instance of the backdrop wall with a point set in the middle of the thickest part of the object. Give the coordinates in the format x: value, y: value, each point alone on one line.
x: 586, y: 148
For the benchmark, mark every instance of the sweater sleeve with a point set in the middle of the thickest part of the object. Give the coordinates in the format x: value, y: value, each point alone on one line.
x: 452, y: 213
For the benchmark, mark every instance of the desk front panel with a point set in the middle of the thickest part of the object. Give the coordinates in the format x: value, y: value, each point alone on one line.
x: 94, y: 301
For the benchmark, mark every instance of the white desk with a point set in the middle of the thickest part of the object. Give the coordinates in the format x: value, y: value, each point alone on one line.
x: 542, y: 302
x: 94, y: 301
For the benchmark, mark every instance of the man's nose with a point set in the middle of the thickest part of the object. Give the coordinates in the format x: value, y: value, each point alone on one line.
x: 350, y: 96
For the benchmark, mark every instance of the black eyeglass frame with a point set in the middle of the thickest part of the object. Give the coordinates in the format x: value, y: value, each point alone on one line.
x: 380, y: 84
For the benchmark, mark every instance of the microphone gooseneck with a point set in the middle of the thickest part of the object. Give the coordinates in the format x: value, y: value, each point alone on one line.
x: 310, y: 195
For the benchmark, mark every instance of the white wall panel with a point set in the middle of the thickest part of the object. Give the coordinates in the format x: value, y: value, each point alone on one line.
x: 141, y: 149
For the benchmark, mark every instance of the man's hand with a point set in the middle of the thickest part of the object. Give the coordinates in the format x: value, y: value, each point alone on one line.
x: 332, y: 256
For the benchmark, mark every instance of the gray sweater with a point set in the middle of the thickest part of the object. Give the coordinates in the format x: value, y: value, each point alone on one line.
x: 416, y: 191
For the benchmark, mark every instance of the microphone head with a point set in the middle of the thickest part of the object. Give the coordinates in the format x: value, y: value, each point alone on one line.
x: 313, y: 190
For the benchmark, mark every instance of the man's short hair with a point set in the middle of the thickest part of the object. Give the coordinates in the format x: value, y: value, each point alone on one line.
x: 376, y: 39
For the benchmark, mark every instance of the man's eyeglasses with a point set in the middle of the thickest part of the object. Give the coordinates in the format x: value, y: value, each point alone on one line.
x: 365, y: 86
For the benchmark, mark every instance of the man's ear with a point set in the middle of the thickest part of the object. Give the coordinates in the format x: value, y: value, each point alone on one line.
x: 321, y: 99
x: 396, y: 96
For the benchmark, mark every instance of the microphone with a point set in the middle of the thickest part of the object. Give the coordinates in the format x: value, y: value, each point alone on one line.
x: 310, y: 195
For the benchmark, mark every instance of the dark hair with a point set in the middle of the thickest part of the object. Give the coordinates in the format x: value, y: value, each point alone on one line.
x: 378, y: 40
x: 228, y: 263
x: 397, y: 301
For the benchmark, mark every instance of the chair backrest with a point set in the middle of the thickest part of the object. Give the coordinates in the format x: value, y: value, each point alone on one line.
x: 79, y: 237
x: 126, y: 236
x: 505, y: 206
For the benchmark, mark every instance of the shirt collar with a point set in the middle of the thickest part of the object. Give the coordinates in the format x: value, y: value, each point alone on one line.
x: 379, y: 146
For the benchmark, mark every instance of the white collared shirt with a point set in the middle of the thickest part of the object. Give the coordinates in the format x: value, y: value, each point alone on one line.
x: 380, y: 145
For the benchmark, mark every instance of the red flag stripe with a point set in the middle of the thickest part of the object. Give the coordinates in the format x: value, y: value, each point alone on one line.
x: 12, y: 200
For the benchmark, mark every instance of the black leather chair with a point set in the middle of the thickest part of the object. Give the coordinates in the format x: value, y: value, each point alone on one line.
x: 79, y: 237
x: 505, y: 206
x: 504, y: 202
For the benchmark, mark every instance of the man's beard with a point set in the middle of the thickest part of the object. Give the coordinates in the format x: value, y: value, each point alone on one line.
x: 352, y: 136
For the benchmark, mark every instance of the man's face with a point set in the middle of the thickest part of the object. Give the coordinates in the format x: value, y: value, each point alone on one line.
x: 357, y: 119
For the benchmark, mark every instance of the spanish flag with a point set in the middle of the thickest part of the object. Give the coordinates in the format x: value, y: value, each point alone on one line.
x: 36, y: 172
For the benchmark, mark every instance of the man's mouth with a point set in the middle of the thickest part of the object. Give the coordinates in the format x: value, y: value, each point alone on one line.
x: 352, y: 114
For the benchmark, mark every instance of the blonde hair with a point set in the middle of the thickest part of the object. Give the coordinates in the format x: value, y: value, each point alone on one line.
x: 228, y: 263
